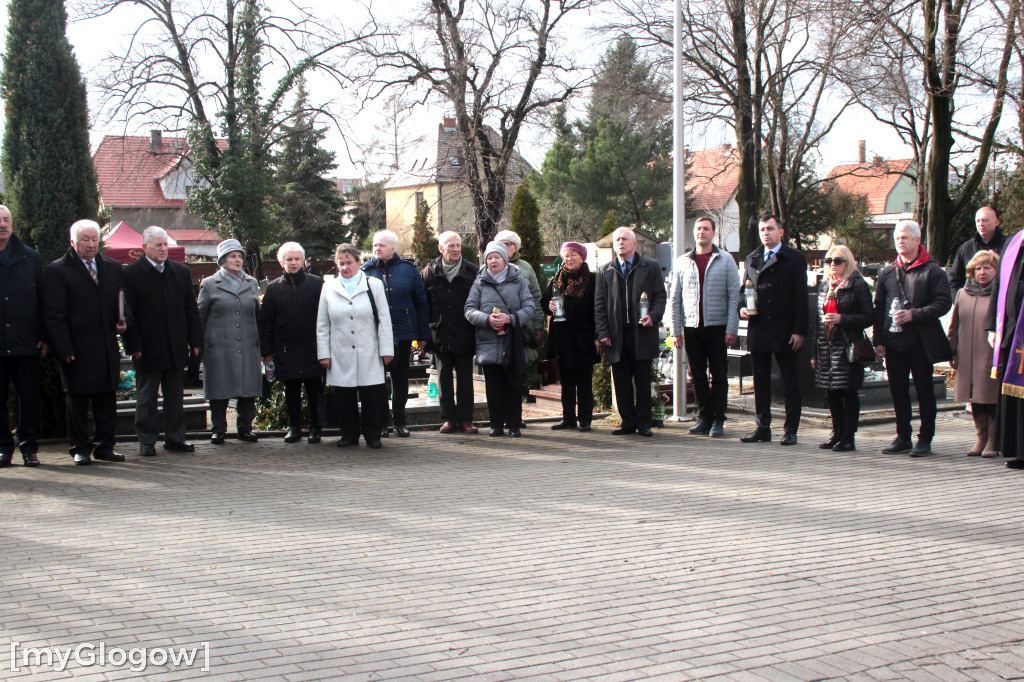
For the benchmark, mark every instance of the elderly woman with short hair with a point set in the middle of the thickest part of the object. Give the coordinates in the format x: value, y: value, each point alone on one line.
x: 354, y: 342
x: 229, y: 307
x: 288, y: 338
x: 972, y: 354
x: 844, y: 311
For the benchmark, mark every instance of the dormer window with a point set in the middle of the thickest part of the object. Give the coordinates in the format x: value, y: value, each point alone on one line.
x: 455, y: 161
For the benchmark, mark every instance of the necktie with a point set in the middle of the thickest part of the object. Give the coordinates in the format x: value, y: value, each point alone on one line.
x: 92, y: 273
x: 767, y: 257
x: 625, y: 268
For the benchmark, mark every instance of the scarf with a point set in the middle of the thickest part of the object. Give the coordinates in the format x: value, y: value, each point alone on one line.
x: 571, y: 284
x: 237, y: 282
x: 974, y: 289
x: 451, y: 270
x: 922, y: 258
x: 1013, y: 382
x: 500, y: 277
x: 352, y: 282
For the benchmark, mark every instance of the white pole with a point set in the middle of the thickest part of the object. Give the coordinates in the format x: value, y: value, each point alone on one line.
x: 678, y: 196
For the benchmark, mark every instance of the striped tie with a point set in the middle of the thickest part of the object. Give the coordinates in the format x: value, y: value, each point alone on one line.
x: 92, y: 273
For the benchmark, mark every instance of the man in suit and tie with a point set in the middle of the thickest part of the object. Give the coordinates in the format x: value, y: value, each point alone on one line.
x: 778, y: 274
x: 81, y: 293
x: 165, y: 328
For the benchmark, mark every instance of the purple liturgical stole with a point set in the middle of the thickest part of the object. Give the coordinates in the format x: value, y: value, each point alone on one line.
x: 1013, y: 379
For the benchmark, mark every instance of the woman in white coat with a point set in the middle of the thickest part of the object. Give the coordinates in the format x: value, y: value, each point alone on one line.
x: 354, y: 342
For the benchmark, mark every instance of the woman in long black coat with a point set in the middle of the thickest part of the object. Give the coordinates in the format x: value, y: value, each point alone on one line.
x: 571, y: 341
x: 844, y: 311
x: 288, y: 338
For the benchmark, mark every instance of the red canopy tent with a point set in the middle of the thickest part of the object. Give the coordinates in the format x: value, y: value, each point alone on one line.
x: 124, y: 245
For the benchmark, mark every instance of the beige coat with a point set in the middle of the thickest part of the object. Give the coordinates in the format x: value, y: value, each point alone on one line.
x: 969, y: 340
x: 345, y: 333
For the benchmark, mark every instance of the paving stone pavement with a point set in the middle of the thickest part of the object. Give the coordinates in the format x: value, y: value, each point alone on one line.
x: 557, y: 556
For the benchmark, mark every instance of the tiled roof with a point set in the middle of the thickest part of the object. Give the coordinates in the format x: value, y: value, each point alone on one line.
x: 711, y: 177
x: 195, y: 236
x: 873, y: 180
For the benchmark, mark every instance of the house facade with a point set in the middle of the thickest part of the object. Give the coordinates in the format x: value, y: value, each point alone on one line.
x: 888, y: 186
x: 712, y: 177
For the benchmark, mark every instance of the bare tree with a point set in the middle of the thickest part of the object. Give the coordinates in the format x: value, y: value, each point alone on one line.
x: 497, y: 64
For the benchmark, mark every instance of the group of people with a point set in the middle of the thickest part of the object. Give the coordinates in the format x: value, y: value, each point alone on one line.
x: 350, y: 332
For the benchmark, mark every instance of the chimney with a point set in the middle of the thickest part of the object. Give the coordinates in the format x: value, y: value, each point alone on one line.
x: 862, y: 151
x: 726, y: 146
x: 156, y: 140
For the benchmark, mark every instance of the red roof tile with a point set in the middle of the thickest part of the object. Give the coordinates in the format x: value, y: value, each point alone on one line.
x: 873, y: 180
x: 711, y: 177
x: 194, y: 236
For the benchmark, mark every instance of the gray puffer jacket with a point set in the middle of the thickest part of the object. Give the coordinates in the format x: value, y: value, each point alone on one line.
x: 720, y: 301
x: 486, y: 295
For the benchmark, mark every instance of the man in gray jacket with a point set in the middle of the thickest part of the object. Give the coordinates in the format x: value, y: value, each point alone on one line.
x: 705, y: 302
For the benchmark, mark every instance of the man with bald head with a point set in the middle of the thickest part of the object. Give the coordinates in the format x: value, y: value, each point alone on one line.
x: 990, y: 237
x: 83, y: 317
x: 21, y: 341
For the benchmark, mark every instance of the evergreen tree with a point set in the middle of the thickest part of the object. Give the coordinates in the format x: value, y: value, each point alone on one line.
x: 525, y: 222
x: 48, y: 172
x: 424, y: 241
x: 610, y: 223
x: 366, y: 214
x: 311, y: 208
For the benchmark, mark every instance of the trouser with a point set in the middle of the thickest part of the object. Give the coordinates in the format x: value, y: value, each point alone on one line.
x: 899, y: 366
x: 504, y: 389
x: 293, y: 400
x: 456, y: 395
x: 577, y: 394
x: 844, y: 404
x: 151, y: 382
x: 706, y: 349
x: 246, y: 412
x: 104, y: 414
x: 370, y: 420
x: 631, y: 379
x: 399, y: 371
x: 762, y: 367
x: 24, y: 371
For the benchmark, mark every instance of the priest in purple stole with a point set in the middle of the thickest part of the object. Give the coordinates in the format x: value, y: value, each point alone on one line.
x: 1008, y: 356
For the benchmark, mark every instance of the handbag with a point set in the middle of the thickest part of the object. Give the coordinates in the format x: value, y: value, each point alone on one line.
x: 526, y: 335
x: 861, y: 350
x: 934, y: 344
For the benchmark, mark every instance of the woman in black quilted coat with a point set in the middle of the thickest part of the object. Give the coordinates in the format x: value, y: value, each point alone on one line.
x: 844, y: 311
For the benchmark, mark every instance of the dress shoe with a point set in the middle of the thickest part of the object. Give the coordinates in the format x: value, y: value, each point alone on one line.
x: 249, y: 437
x: 82, y: 459
x: 495, y: 433
x: 717, y: 429
x: 293, y: 436
x: 183, y: 446
x: 522, y: 424
x: 5, y: 459
x: 562, y: 425
x: 584, y: 428
x: 30, y: 459
x: 148, y: 450
x: 467, y: 427
x: 513, y: 432
x: 788, y: 439
x: 1015, y: 464
x: 346, y: 443
x: 701, y: 428
x: 374, y: 444
x: 217, y: 438
x: 447, y: 427
x: 623, y: 430
x: 844, y: 445
x: 385, y: 433
x: 645, y: 431
x: 760, y: 435
x: 831, y: 442
x: 402, y: 431
x: 314, y: 435
x: 898, y: 445
x: 108, y: 456
x: 923, y: 447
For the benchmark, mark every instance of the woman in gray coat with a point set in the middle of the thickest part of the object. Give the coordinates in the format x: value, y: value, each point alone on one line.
x: 229, y: 307
x: 498, y: 304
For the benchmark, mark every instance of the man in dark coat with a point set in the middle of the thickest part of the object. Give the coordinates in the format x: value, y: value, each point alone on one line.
x: 779, y: 326
x: 629, y: 338
x: 21, y: 341
x: 410, y: 315
x: 448, y: 279
x: 922, y: 290
x: 83, y: 317
x: 288, y: 339
x: 990, y: 237
x: 164, y: 326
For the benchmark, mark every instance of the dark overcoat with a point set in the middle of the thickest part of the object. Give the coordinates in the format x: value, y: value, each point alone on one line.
x: 407, y: 299
x: 288, y: 325
x: 81, y: 320
x: 835, y: 371
x: 572, y: 340
x: 781, y: 299
x: 21, y: 302
x: 164, y: 322
x: 615, y: 297
x: 450, y: 332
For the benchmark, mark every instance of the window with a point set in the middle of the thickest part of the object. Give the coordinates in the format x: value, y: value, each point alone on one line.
x: 419, y: 200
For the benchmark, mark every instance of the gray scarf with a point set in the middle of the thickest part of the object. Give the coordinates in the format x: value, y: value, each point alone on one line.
x: 451, y: 270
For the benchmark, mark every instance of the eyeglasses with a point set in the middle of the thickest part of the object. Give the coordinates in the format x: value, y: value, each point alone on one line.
x: 837, y: 261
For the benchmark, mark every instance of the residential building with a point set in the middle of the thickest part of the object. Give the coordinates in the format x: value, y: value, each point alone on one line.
x: 712, y: 177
